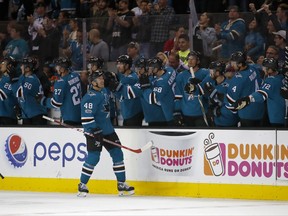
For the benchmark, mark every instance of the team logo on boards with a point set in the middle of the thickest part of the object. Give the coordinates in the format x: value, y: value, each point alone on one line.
x: 213, y: 161
x: 16, y: 150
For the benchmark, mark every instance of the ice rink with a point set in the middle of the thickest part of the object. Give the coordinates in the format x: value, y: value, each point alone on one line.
x: 52, y: 204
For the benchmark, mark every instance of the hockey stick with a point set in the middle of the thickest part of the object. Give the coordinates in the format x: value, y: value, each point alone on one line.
x: 2, y: 177
x: 286, y: 84
x: 140, y: 150
x: 200, y: 100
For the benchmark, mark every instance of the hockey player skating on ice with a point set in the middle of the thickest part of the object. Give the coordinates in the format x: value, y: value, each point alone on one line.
x: 95, y: 117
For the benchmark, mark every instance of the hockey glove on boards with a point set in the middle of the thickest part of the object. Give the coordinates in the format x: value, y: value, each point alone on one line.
x: 242, y: 103
x: 178, y: 118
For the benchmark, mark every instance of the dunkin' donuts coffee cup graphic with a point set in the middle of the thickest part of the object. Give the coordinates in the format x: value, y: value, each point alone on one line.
x: 213, y: 155
x: 155, y: 154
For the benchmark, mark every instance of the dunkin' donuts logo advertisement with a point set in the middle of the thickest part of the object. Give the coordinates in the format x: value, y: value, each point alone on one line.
x: 172, y: 152
x: 245, y: 160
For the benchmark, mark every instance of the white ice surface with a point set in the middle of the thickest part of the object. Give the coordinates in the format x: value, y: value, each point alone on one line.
x: 59, y: 204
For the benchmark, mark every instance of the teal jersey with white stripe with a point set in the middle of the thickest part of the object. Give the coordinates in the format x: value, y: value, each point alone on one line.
x: 95, y: 111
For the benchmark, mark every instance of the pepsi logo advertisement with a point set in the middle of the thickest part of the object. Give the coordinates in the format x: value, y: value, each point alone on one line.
x: 16, y: 150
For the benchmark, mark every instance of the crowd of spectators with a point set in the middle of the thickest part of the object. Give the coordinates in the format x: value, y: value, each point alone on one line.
x: 46, y: 30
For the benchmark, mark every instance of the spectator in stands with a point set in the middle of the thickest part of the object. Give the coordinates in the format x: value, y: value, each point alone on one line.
x: 121, y: 25
x: 62, y: 23
x: 280, y: 19
x: 162, y: 16
x: 184, y: 48
x: 242, y: 4
x: 280, y: 42
x: 232, y: 33
x: 69, y: 6
x: 17, y: 47
x: 76, y: 51
x: 36, y: 29
x: 171, y: 45
x: 133, y: 51
x: 99, y: 47
x: 137, y: 10
x: 49, y: 47
x: 99, y: 19
x: 70, y: 35
x: 254, y: 42
x: 142, y: 27
x: 204, y: 38
x: 269, y: 36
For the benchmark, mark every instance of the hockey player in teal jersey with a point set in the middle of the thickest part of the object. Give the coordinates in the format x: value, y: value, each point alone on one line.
x: 270, y: 91
x: 158, y: 92
x: 130, y: 104
x: 67, y: 93
x: 95, y: 65
x: 28, y: 89
x: 215, y: 88
x: 7, y: 98
x: 189, y: 105
x: 246, y: 81
x: 95, y: 117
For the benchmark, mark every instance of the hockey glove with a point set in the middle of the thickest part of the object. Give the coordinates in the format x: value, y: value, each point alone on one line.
x: 214, y: 111
x: 195, y: 81
x: 14, y: 77
x: 208, y: 89
x: 190, y: 88
x: 18, y: 111
x: 144, y: 81
x: 98, y: 136
x: 242, y: 103
x: 108, y: 77
x: 178, y: 118
x: 284, y: 92
x: 114, y: 85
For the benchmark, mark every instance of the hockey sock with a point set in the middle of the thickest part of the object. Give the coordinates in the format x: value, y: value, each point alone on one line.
x: 88, y: 167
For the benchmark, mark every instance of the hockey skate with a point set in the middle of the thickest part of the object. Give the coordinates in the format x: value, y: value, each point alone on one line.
x: 82, y: 190
x: 124, y: 189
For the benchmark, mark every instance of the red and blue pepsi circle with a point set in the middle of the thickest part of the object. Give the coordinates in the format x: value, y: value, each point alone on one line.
x: 16, y: 150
